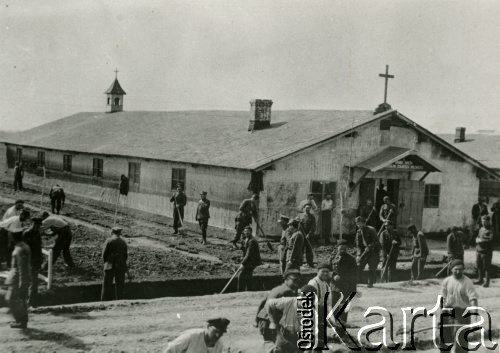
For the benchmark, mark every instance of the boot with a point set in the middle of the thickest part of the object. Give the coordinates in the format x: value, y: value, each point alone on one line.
x: 19, y: 325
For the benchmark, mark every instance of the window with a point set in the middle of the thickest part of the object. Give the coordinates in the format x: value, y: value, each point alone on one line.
x: 431, y: 198
x: 117, y: 101
x: 67, y: 162
x: 178, y: 177
x: 97, y: 167
x: 19, y: 154
x: 109, y: 100
x: 134, y: 173
x: 41, y: 159
x: 321, y: 188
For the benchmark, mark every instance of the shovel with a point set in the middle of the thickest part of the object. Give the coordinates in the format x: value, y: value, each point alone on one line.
x: 181, y: 230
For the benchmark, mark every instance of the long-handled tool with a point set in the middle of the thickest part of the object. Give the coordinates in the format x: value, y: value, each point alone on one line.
x: 389, y: 257
x: 383, y: 225
x: 181, y: 230
x: 230, y: 280
x: 268, y: 243
x: 443, y: 269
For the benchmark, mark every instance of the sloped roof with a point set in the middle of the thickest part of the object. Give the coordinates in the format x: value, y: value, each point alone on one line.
x: 219, y: 138
x: 484, y: 148
x: 115, y: 88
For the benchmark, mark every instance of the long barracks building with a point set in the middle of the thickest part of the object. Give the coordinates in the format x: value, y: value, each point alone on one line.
x: 283, y: 154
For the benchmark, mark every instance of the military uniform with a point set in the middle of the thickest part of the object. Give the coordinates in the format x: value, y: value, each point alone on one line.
x: 250, y: 261
x: 114, y: 256
x: 283, y: 248
x: 368, y: 248
x: 202, y: 216
x: 295, y: 251
x: 389, y: 260
x: 179, y: 200
x: 419, y: 252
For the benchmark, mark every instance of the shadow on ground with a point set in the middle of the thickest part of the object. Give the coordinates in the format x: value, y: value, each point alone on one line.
x: 60, y: 338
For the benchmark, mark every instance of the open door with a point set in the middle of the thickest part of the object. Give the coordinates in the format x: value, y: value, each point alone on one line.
x: 410, y: 203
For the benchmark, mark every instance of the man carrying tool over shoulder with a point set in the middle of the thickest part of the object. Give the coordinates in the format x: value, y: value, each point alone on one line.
x: 368, y: 248
x: 179, y: 200
x: 248, y: 210
x: 387, y: 211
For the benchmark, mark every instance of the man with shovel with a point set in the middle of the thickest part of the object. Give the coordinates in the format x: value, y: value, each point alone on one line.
x: 390, y: 242
x: 179, y: 200
x: 248, y: 211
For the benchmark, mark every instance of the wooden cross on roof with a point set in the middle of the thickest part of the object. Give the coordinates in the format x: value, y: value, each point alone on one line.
x: 116, y: 73
x: 387, y: 77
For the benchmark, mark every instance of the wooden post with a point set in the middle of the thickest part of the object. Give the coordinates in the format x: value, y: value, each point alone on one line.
x: 116, y: 208
x: 43, y: 182
x: 49, y: 275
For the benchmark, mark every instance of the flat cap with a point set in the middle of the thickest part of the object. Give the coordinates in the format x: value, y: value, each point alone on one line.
x: 456, y: 262
x: 290, y: 272
x: 386, y: 198
x: 116, y: 230
x: 219, y: 323
x: 309, y: 289
x: 19, y: 201
x: 359, y: 219
x: 203, y: 193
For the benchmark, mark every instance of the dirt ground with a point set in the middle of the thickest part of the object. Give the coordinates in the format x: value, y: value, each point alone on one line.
x: 154, y: 252
x: 147, y: 325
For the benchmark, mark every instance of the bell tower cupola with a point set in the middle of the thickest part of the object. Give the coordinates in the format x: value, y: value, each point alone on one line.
x: 114, y: 96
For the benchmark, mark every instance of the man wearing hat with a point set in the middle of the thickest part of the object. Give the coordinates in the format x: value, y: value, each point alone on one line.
x: 367, y: 249
x: 33, y: 238
x: 283, y: 314
x: 387, y: 211
x: 201, y: 340
x: 285, y: 239
x: 308, y: 201
x: 179, y: 200
x: 344, y: 275
x: 295, y: 248
x: 390, y: 242
x: 322, y: 285
x: 114, y: 256
x: 18, y: 281
x: 455, y: 244
x: 58, y: 226
x: 484, y: 251
x: 248, y: 210
x: 203, y: 214
x: 57, y: 198
x: 250, y: 261
x: 308, y: 226
x: 287, y: 289
x: 458, y: 293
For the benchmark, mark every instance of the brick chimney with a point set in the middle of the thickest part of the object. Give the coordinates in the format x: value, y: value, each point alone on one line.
x: 260, y: 114
x: 459, y: 134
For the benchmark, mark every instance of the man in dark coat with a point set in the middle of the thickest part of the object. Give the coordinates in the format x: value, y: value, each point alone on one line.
x: 18, y: 281
x: 367, y: 249
x: 18, y: 176
x: 495, y: 221
x: 455, y: 244
x: 390, y: 242
x: 478, y: 210
x: 114, y: 256
x: 179, y: 200
x: 308, y: 226
x: 203, y: 215
x: 33, y: 238
x: 250, y: 261
x: 248, y: 210
x: 344, y: 277
x: 57, y: 198
x: 368, y: 212
x: 295, y: 248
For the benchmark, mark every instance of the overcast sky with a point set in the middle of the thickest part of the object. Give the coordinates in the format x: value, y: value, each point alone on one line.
x: 58, y: 57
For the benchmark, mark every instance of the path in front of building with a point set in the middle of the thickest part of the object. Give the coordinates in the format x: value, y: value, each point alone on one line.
x: 147, y: 325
